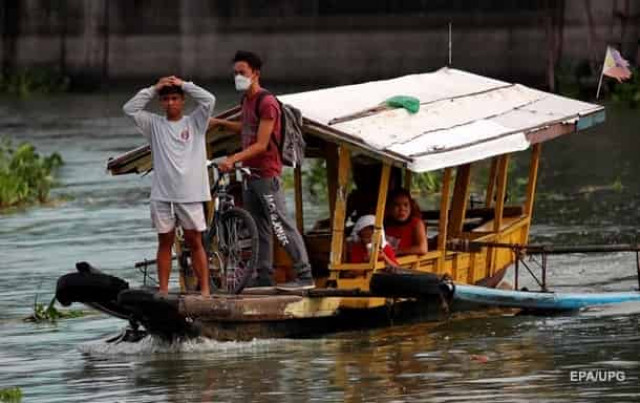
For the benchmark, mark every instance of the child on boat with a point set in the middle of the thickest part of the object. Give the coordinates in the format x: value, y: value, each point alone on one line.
x: 361, y: 240
x: 406, y: 233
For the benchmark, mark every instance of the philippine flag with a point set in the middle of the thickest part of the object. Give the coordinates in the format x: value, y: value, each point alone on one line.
x: 615, y: 66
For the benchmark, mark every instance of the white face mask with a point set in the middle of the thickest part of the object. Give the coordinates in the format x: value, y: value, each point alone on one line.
x: 242, y: 83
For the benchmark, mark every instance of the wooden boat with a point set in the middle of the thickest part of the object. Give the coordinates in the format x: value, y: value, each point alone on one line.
x: 465, y: 120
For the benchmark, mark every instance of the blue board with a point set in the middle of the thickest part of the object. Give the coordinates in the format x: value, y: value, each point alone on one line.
x: 539, y: 300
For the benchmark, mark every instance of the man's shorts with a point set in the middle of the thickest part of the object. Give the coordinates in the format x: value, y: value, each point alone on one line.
x: 166, y: 215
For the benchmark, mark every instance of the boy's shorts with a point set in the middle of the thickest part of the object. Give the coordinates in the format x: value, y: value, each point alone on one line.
x: 166, y: 215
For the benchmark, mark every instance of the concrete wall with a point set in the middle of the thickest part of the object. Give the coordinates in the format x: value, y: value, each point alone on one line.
x: 309, y: 41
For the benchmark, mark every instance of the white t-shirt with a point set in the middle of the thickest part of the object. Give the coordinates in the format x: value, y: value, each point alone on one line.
x: 178, y: 147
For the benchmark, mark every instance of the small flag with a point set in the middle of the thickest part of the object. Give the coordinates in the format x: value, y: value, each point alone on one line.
x: 615, y: 66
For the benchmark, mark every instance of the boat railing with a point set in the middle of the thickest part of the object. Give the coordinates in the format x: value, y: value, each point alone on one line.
x: 520, y: 251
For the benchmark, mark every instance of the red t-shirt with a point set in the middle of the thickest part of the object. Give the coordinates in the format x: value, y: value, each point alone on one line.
x: 267, y: 164
x: 402, y: 236
x: 358, y: 253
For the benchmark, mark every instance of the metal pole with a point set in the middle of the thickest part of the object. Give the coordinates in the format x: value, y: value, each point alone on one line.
x: 531, y: 249
x: 544, y: 272
x: 638, y: 267
x: 450, y: 44
x: 517, y: 270
x: 638, y: 262
x: 599, y: 84
x: 602, y: 74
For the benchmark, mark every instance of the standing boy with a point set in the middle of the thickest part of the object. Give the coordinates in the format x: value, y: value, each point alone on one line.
x: 180, y: 182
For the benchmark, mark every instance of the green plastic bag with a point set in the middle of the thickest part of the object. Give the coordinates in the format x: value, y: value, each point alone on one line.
x: 411, y: 104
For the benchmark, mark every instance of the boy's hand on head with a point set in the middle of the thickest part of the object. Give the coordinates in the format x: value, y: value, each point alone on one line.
x: 162, y: 82
x: 177, y: 81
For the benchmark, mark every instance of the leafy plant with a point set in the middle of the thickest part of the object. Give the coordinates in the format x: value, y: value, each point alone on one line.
x: 33, y: 80
x: 427, y: 182
x: 10, y: 394
x: 25, y: 176
x: 617, y: 185
x: 315, y: 176
x: 574, y: 79
x: 49, y: 313
x: 628, y: 92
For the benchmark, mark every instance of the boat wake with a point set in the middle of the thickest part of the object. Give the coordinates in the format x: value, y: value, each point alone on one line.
x: 621, y: 309
x: 155, y: 345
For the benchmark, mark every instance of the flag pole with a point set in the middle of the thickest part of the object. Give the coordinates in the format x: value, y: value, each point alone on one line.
x: 602, y: 73
x: 449, y: 65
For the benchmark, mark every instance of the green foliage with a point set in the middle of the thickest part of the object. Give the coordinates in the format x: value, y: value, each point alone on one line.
x: 617, y: 185
x: 49, y: 313
x: 25, y: 176
x: 628, y: 92
x: 315, y: 176
x: 10, y: 395
x: 287, y: 178
x: 516, y: 185
x: 34, y: 80
x: 576, y: 80
x: 573, y: 79
x: 425, y: 183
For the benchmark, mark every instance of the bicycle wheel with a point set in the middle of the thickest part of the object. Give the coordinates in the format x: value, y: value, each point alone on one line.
x: 236, y: 247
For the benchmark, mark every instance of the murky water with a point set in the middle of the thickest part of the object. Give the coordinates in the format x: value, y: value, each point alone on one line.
x: 589, y: 192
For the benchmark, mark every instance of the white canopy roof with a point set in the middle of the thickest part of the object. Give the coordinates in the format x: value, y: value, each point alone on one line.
x: 463, y: 117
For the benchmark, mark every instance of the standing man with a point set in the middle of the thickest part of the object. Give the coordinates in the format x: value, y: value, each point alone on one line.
x: 263, y: 197
x: 180, y: 182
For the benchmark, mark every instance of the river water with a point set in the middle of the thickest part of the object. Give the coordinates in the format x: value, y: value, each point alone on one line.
x: 589, y: 191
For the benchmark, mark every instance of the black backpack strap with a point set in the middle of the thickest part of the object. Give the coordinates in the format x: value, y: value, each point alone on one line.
x: 261, y: 96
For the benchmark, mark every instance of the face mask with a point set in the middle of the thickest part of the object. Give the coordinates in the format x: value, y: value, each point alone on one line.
x: 242, y: 83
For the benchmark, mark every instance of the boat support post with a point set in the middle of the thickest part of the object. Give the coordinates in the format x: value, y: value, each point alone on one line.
x: 517, y: 271
x: 519, y: 257
x: 520, y: 250
x: 638, y: 262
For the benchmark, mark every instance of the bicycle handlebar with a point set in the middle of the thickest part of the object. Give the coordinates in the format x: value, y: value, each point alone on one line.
x: 244, y: 171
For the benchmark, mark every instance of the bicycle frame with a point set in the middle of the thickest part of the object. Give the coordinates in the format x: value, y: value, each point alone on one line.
x: 223, y: 201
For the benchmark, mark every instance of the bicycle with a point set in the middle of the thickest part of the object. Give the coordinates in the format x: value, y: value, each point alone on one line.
x: 231, y: 242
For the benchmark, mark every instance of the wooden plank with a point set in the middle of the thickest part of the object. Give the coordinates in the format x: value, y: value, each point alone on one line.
x: 492, y: 183
x: 297, y: 182
x: 332, y: 157
x: 533, y: 179
x: 459, y: 202
x: 357, y: 266
x: 335, y: 136
x: 444, y: 215
x: 501, y: 191
x: 550, y: 133
x: 337, y: 238
x: 489, y: 227
x: 408, y: 177
x: 380, y: 210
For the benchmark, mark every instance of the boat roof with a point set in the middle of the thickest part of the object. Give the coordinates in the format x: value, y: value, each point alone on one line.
x: 463, y: 117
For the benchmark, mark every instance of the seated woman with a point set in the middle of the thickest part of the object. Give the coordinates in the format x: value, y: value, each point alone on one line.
x: 406, y: 233
x: 361, y: 239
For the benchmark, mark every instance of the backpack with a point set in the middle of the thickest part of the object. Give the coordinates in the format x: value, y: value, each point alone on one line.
x: 291, y: 145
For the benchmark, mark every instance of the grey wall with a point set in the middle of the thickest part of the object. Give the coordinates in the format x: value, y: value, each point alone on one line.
x: 314, y: 40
